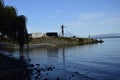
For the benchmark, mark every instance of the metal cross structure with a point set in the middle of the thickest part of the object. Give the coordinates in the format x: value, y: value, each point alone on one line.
x: 62, y: 28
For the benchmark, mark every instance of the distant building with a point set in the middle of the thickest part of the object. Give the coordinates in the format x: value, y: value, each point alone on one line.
x: 51, y: 34
x: 37, y: 35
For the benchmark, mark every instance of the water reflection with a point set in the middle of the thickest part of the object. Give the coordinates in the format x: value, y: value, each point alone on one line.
x: 63, y: 54
x: 52, y: 52
x: 26, y: 55
x: 21, y: 50
x: 6, y: 48
x: 24, y: 50
x: 99, y: 61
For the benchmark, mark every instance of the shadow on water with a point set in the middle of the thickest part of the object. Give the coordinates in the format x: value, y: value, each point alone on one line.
x: 24, y: 54
x: 21, y: 48
x: 63, y: 54
x: 52, y: 52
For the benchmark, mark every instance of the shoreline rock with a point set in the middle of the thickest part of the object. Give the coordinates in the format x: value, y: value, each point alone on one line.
x: 13, y: 69
x: 51, y: 42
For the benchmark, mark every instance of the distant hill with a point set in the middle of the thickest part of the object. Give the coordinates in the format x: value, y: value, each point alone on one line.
x: 111, y: 35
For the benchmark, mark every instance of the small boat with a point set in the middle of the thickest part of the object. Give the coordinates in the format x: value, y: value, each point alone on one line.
x: 100, y: 41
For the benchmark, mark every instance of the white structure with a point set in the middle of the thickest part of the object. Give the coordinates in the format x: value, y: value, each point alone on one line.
x: 37, y: 35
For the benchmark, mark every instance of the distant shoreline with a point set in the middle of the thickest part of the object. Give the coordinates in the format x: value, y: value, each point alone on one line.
x: 51, y: 42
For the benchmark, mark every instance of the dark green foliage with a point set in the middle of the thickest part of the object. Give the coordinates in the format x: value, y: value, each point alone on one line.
x: 12, y: 25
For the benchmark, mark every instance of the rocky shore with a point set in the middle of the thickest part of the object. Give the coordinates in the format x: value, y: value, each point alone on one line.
x: 13, y: 69
x: 58, y: 42
x: 19, y: 69
x: 52, y: 41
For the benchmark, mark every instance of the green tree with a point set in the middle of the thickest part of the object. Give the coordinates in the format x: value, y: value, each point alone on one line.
x: 12, y: 25
x: 22, y: 33
x: 1, y: 15
x: 10, y: 22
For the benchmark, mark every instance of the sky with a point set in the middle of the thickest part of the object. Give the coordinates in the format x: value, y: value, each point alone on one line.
x: 80, y: 17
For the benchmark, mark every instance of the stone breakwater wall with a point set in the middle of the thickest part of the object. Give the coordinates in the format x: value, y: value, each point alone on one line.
x: 62, y: 41
x: 49, y: 42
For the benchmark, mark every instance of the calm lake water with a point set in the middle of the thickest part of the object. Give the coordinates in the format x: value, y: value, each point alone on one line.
x: 87, y: 62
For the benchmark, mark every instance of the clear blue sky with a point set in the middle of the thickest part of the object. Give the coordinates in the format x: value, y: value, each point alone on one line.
x: 81, y: 17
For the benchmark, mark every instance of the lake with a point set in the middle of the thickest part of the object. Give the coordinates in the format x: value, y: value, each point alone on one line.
x: 85, y: 62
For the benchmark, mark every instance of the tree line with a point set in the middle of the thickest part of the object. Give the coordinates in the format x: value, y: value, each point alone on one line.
x: 12, y: 25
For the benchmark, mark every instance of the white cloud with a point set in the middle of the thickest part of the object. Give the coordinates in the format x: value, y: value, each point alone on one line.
x: 96, y: 20
x: 56, y: 14
x: 91, y: 16
x: 95, y: 23
x: 112, y: 21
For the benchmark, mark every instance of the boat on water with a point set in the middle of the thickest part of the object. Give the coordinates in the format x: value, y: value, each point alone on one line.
x: 100, y: 41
